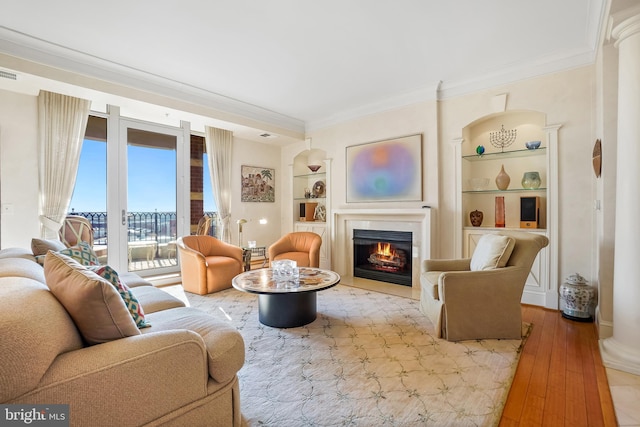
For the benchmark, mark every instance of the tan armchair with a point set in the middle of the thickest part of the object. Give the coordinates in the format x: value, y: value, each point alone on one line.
x: 303, y: 247
x: 465, y: 304
x: 207, y: 264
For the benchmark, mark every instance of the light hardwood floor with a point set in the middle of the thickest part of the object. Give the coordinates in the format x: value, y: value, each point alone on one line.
x: 560, y: 380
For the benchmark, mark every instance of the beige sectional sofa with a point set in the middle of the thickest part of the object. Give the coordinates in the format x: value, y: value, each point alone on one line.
x: 180, y: 371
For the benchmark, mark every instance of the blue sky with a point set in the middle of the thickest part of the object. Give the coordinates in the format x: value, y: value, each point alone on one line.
x: 151, y: 181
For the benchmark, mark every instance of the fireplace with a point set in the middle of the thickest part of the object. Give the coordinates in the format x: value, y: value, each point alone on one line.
x: 417, y: 221
x: 383, y: 255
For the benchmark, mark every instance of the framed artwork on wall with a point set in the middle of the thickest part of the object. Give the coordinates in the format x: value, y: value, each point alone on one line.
x: 258, y: 184
x: 385, y: 171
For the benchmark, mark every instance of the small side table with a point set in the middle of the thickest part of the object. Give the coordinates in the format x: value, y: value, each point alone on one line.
x: 246, y: 258
x: 259, y: 251
x: 578, y: 298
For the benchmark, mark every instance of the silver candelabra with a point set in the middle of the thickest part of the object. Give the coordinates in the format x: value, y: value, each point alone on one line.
x: 502, y: 138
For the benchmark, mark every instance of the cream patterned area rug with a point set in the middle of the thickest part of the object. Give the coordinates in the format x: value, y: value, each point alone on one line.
x: 369, y: 359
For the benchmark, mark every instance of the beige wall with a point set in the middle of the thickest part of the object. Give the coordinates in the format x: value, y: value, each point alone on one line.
x: 416, y: 119
x: 565, y: 98
x: 252, y: 153
x: 18, y: 169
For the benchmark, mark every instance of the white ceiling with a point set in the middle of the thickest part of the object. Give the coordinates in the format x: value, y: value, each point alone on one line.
x: 303, y: 64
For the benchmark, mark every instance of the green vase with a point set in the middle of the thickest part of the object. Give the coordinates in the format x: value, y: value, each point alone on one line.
x: 531, y: 180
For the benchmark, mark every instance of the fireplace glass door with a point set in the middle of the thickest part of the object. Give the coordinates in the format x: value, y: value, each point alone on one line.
x: 382, y: 255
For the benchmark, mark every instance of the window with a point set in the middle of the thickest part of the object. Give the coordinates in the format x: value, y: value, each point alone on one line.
x: 89, y: 197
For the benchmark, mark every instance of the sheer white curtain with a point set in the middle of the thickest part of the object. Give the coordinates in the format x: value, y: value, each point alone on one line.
x: 219, y: 144
x: 62, y: 121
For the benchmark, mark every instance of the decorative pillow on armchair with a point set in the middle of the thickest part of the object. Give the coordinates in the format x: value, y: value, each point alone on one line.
x: 492, y: 251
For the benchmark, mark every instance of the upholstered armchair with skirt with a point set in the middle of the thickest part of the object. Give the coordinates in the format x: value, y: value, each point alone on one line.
x: 208, y: 264
x: 303, y: 247
x: 479, y: 297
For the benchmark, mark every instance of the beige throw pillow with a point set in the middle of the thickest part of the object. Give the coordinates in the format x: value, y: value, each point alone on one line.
x: 42, y: 246
x: 492, y: 251
x: 93, y: 303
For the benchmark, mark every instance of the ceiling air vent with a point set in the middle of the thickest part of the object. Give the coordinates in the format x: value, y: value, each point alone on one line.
x: 267, y: 135
x: 8, y: 75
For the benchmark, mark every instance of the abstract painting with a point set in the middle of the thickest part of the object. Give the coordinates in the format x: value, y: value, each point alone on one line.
x: 258, y: 184
x: 385, y: 171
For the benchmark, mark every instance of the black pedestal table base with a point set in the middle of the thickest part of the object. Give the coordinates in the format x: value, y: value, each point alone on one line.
x: 287, y: 310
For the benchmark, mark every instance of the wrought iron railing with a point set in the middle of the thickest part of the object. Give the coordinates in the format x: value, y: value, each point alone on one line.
x: 155, y: 226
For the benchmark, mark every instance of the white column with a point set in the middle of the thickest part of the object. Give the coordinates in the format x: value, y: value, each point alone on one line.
x: 622, y: 350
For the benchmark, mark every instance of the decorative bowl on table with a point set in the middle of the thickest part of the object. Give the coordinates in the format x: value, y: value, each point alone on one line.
x: 478, y: 184
x: 532, y: 145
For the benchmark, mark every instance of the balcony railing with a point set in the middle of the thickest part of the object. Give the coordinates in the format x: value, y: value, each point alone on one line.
x: 142, y: 226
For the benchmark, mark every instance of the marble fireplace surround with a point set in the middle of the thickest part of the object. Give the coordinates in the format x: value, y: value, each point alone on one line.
x: 417, y: 221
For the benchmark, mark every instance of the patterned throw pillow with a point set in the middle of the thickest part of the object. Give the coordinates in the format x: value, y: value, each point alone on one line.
x: 83, y: 253
x: 111, y: 276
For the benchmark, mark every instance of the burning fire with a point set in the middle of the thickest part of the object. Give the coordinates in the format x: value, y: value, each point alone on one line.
x: 387, y: 258
x: 386, y: 250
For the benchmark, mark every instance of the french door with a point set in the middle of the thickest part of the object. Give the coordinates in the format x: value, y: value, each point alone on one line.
x: 147, y: 200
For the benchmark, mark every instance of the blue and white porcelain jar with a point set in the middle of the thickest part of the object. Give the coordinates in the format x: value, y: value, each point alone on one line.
x: 577, y: 298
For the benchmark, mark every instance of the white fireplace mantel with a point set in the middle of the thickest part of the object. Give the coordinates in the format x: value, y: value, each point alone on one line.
x: 417, y: 221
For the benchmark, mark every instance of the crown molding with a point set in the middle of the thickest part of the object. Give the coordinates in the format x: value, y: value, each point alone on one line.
x: 541, y: 67
x: 444, y: 90
x: 39, y: 51
x: 423, y: 94
x: 597, y: 18
x: 43, y: 52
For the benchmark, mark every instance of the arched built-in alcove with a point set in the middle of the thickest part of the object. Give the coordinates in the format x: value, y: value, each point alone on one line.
x: 311, y: 204
x: 502, y: 138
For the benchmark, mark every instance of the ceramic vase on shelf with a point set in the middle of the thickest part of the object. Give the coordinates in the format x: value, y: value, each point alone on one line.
x: 503, y: 179
x: 500, y: 214
x: 476, y: 218
x: 531, y: 180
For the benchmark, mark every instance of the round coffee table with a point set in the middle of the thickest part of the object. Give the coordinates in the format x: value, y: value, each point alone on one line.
x: 286, y: 304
